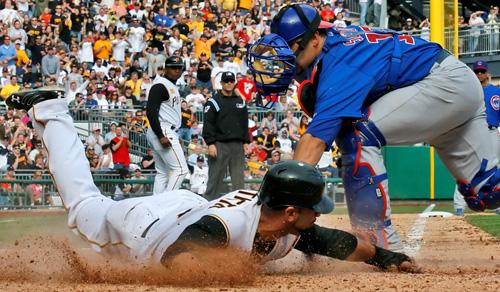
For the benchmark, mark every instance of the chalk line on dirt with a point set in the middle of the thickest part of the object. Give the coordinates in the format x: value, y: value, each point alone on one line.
x: 7, y: 220
x: 415, y: 236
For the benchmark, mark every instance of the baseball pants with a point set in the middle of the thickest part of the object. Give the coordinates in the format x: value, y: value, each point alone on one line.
x: 110, y: 227
x: 458, y: 198
x: 445, y: 110
x: 170, y: 163
x: 229, y: 154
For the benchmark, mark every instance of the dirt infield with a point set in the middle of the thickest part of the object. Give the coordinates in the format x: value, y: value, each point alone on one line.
x: 456, y: 256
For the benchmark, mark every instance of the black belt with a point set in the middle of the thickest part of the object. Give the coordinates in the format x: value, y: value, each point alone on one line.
x: 442, y: 56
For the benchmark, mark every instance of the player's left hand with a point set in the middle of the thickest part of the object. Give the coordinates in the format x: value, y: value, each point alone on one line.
x: 393, y: 261
x: 165, y: 142
x: 406, y: 267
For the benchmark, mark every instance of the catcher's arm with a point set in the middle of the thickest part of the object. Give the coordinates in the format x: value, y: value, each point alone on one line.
x: 345, y: 246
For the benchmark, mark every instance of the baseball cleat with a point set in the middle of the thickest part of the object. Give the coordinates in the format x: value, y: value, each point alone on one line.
x: 26, y: 99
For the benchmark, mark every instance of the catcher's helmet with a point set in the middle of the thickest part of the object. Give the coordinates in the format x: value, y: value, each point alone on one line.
x: 294, y: 183
x: 298, y: 20
x: 272, y: 64
x: 174, y: 62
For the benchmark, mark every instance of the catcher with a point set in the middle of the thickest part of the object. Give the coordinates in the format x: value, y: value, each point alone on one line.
x: 156, y: 229
x: 366, y: 88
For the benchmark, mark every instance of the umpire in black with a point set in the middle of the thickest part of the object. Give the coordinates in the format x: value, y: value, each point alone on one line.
x: 225, y: 130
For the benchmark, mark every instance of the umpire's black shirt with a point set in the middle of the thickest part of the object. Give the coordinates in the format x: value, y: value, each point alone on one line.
x: 225, y: 119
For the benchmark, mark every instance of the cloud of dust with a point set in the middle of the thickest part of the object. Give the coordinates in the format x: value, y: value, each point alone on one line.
x: 48, y: 258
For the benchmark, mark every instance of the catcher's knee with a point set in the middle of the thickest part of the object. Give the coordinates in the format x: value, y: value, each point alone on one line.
x: 365, y: 193
x: 488, y: 195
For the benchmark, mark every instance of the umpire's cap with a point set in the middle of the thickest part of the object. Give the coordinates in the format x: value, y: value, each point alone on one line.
x: 174, y: 62
x: 295, y: 183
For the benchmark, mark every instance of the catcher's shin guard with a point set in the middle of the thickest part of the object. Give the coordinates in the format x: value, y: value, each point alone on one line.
x: 488, y: 195
x: 365, y: 183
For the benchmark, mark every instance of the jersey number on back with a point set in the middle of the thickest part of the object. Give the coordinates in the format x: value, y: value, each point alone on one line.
x: 238, y: 199
x: 374, y: 37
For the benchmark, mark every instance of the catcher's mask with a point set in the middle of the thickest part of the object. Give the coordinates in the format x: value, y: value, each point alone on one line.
x: 272, y: 63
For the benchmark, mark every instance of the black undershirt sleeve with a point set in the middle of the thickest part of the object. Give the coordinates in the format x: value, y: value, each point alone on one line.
x: 157, y: 94
x: 209, y: 123
x: 206, y: 232
x: 329, y: 242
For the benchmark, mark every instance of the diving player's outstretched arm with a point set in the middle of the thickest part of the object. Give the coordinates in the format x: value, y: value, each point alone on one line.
x: 345, y: 246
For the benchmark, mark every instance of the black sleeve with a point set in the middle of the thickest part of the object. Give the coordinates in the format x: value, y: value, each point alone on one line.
x: 333, y: 243
x: 206, y: 232
x: 385, y: 258
x: 247, y: 132
x: 157, y: 95
x: 209, y: 123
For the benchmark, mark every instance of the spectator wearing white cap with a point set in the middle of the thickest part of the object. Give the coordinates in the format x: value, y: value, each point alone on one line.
x: 155, y: 60
x: 137, y: 12
x: 87, y: 51
x: 199, y: 177
x: 17, y: 33
x: 95, y: 140
x: 102, y: 102
x: 8, y: 14
x: 136, y: 36
x: 73, y: 89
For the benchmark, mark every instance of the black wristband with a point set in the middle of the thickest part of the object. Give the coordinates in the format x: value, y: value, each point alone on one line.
x: 384, y: 258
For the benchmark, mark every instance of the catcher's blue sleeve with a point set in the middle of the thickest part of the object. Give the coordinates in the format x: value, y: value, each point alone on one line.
x: 358, y: 66
x: 338, y: 96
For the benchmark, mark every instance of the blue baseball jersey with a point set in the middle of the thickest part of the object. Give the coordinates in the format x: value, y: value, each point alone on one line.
x: 492, y: 103
x: 358, y: 66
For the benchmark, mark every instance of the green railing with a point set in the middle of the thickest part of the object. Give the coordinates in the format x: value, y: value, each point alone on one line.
x: 103, y: 118
x: 21, y: 198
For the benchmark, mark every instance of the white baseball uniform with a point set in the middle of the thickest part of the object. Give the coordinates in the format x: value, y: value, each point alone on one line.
x: 170, y: 163
x: 199, y: 179
x: 141, y: 227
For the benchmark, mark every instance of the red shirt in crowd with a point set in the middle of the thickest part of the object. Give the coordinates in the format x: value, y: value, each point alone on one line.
x: 121, y: 155
x: 328, y: 16
x: 247, y: 88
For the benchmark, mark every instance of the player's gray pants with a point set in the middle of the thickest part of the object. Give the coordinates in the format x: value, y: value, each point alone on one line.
x: 458, y: 198
x: 446, y: 110
x: 229, y: 154
x: 170, y: 164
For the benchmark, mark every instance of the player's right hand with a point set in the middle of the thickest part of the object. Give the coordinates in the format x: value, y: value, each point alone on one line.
x: 212, y: 151
x: 165, y: 142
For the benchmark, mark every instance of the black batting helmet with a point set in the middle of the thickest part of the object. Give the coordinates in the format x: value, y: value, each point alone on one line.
x: 174, y: 62
x: 295, y: 183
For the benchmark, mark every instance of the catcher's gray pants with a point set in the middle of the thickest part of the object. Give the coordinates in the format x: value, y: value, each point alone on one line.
x: 228, y: 154
x: 458, y: 198
x: 445, y: 109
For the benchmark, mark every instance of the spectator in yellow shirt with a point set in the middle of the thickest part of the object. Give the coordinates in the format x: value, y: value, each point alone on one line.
x: 196, y: 23
x: 203, y: 45
x: 102, y: 47
x: 135, y: 83
x: 229, y: 4
x: 10, y: 88
x: 245, y: 6
x: 22, y: 57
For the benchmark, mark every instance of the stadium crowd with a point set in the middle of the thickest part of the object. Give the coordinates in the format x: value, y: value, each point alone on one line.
x: 107, y: 53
